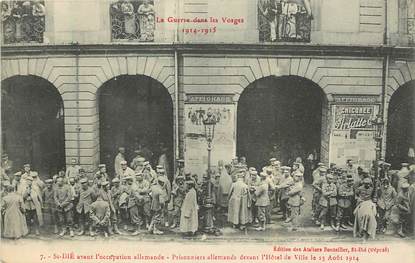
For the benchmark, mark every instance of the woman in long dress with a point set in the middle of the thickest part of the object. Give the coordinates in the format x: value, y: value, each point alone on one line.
x: 13, y: 210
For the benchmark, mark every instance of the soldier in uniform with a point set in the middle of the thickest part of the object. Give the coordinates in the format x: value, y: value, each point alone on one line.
x: 116, y: 191
x: 166, y: 193
x: 105, y: 193
x: 178, y: 195
x: 271, y: 193
x: 118, y: 159
x: 189, y: 211
x: 157, y: 205
x: 328, y: 202
x: 86, y: 197
x: 387, y: 198
x: 33, y: 206
x: 295, y: 199
x: 101, y: 175
x: 345, y: 195
x: 137, y: 159
x: 261, y: 200
x: 141, y: 195
x: 317, y: 184
x: 64, y: 205
x: 365, y: 213
x: 149, y: 174
x: 401, y: 210
x: 283, y: 188
x: 100, y: 216
x: 49, y: 204
x: 125, y: 170
x: 73, y: 169
x: 239, y: 203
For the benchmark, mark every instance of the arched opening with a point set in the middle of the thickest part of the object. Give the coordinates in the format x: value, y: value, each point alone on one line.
x: 286, y: 112
x: 401, y: 125
x: 136, y: 112
x: 33, y: 124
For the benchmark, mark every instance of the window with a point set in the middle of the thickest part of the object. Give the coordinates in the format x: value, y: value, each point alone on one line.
x: 284, y: 20
x: 23, y: 21
x: 132, y: 20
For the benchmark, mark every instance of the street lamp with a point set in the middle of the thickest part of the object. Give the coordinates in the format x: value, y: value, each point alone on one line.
x: 209, y: 124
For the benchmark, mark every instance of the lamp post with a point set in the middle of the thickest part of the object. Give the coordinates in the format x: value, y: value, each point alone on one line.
x: 378, y: 133
x: 209, y: 124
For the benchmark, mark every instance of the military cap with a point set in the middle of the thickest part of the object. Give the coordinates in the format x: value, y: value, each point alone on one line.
x: 367, y: 180
x: 102, y: 165
x: 405, y: 185
x: 34, y: 174
x: 252, y: 169
x: 190, y: 182
x: 178, y: 178
x: 128, y: 177
x: 121, y: 148
x: 115, y: 180
x: 187, y: 173
x: 49, y: 181
x: 320, y: 164
x: 161, y: 170
x: 104, y: 183
x: 141, y: 159
x: 365, y: 171
x: 137, y: 151
x: 160, y: 179
x: 254, y: 173
x: 350, y: 179
x: 138, y: 174
x: 29, y: 178
x: 385, y: 180
x: 26, y: 165
x: 273, y: 159
x: 71, y: 178
x: 296, y: 163
x: 180, y: 161
x: 241, y: 175
x: 83, y: 181
x: 159, y: 166
x: 329, y: 176
x: 323, y: 169
x: 262, y: 174
x: 286, y: 168
x: 404, y: 164
x: 123, y: 162
x: 146, y: 163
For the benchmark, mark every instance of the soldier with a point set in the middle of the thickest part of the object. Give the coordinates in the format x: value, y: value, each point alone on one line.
x: 283, y: 188
x: 125, y: 170
x: 157, y: 206
x: 105, y: 193
x: 317, y: 184
x: 127, y: 201
x: 100, y: 216
x: 101, y: 175
x: 140, y: 213
x: 252, y: 183
x: 295, y: 199
x: 149, y: 174
x: 261, y: 200
x: 365, y: 213
x: 33, y: 206
x: 73, y: 169
x: 316, y: 172
x: 328, y: 202
x: 27, y: 172
x: 49, y: 204
x: 189, y: 211
x: 180, y: 169
x: 137, y: 162
x: 271, y: 194
x: 345, y: 194
x: 178, y: 195
x: 118, y: 159
x: 86, y: 197
x: 37, y: 184
x: 239, y: 203
x: 387, y: 198
x: 401, y: 210
x: 116, y: 191
x: 63, y: 201
x: 166, y: 193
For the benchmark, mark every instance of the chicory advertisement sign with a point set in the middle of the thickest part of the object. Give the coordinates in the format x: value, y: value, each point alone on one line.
x: 353, y: 117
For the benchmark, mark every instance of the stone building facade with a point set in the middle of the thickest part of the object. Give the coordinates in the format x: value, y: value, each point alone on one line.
x: 349, y: 57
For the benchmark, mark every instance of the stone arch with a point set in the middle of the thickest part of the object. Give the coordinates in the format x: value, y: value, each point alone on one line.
x: 33, y: 127
x: 324, y: 129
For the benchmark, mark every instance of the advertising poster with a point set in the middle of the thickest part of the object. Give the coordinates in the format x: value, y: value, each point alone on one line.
x: 352, y: 134
x: 223, y: 144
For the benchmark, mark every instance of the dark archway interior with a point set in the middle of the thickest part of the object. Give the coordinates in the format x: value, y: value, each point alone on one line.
x: 401, y: 125
x: 135, y: 112
x: 32, y: 124
x: 285, y: 111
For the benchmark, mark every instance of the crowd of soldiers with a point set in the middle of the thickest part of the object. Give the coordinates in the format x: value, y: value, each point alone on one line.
x: 141, y: 199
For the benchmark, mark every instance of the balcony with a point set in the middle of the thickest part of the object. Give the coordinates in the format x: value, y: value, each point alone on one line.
x: 132, y: 20
x: 23, y: 21
x: 284, y: 21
